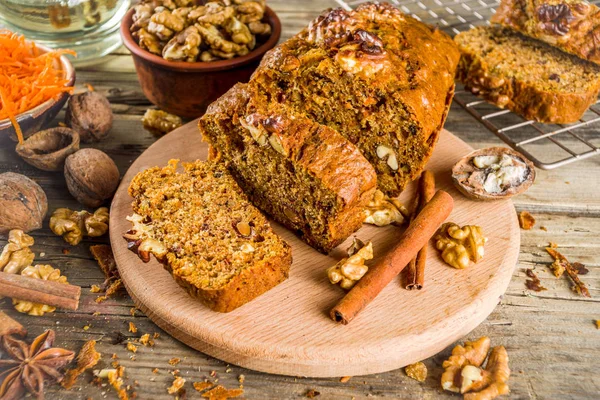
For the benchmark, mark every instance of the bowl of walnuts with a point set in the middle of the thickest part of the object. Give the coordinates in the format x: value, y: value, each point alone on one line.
x: 188, y: 53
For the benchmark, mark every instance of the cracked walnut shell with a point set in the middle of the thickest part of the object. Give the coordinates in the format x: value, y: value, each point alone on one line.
x: 39, y: 271
x: 493, y: 173
x: 459, y: 246
x: 48, y: 149
x: 74, y: 225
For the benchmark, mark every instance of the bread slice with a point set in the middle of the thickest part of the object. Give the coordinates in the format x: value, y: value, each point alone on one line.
x: 570, y: 25
x: 380, y: 78
x: 305, y: 175
x: 526, y: 76
x: 201, y: 226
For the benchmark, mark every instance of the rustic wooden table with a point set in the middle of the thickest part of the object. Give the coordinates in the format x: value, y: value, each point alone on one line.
x: 551, y: 337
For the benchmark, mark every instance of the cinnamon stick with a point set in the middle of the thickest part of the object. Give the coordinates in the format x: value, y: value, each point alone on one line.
x: 9, y: 326
x: 414, y: 275
x: 40, y: 291
x: 412, y: 240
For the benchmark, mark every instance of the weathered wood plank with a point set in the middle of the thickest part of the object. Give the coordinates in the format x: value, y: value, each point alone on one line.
x: 550, y: 336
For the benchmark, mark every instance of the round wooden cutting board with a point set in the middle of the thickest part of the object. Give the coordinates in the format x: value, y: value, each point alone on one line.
x: 287, y: 330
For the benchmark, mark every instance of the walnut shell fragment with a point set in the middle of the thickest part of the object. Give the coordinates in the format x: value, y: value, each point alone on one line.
x: 23, y: 203
x: 493, y: 173
x: 90, y: 115
x: 92, y: 176
x: 48, y: 149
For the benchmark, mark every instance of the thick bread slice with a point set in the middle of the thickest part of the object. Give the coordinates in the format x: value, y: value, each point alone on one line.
x: 202, y: 227
x: 380, y: 78
x: 526, y: 76
x: 305, y: 175
x: 570, y: 25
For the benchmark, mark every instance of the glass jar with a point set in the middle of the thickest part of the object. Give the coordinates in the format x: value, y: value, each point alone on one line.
x: 90, y: 27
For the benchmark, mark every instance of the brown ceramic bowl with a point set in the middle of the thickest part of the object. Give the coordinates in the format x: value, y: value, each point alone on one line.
x: 185, y: 88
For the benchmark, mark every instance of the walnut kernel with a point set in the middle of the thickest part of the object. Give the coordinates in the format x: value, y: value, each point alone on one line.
x: 74, y: 225
x: 350, y: 270
x: 383, y: 210
x: 459, y: 246
x: 16, y: 254
x: 160, y: 122
x: 47, y: 273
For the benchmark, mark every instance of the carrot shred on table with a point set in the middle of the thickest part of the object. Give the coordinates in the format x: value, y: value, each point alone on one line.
x: 28, y: 78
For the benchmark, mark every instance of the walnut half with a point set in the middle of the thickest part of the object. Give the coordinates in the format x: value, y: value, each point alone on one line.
x: 493, y: 173
x: 383, y: 210
x: 74, y: 225
x: 16, y: 254
x: 460, y: 246
x: 351, y: 269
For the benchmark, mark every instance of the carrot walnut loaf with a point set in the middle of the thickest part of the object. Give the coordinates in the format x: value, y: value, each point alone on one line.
x: 306, y: 175
x: 526, y: 76
x: 571, y: 25
x: 201, y: 226
x: 380, y: 78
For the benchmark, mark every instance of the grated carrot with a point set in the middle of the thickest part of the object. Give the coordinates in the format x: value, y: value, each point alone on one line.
x: 27, y: 77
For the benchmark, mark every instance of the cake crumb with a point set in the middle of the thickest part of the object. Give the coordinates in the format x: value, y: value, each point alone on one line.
x: 131, y: 347
x: 200, y: 386
x: 312, y: 393
x: 345, y: 379
x: 242, y: 378
x: 132, y: 327
x: 177, y: 385
x: 416, y: 371
x: 174, y: 361
x: 526, y: 220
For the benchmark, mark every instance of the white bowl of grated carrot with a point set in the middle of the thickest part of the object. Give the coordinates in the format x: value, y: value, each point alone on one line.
x: 35, y: 83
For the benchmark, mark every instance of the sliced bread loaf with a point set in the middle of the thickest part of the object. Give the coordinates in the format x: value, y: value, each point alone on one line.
x: 526, y: 76
x: 378, y: 77
x: 201, y: 226
x: 306, y: 175
x: 571, y: 25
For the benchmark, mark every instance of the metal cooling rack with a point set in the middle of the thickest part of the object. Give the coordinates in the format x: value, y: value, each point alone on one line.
x: 571, y: 142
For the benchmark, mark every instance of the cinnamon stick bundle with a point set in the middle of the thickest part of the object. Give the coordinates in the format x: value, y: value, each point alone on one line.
x: 40, y: 291
x: 412, y: 240
x: 414, y: 275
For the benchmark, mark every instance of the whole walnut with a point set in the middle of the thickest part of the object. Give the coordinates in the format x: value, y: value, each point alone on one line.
x: 92, y: 176
x: 90, y: 115
x: 23, y: 203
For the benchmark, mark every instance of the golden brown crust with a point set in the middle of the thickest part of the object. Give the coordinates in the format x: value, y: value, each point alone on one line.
x: 249, y: 284
x: 202, y: 228
x: 376, y: 76
x: 326, y: 158
x: 533, y: 97
x: 570, y: 25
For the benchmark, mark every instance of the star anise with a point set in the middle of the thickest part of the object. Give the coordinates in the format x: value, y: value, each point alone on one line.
x: 30, y: 365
